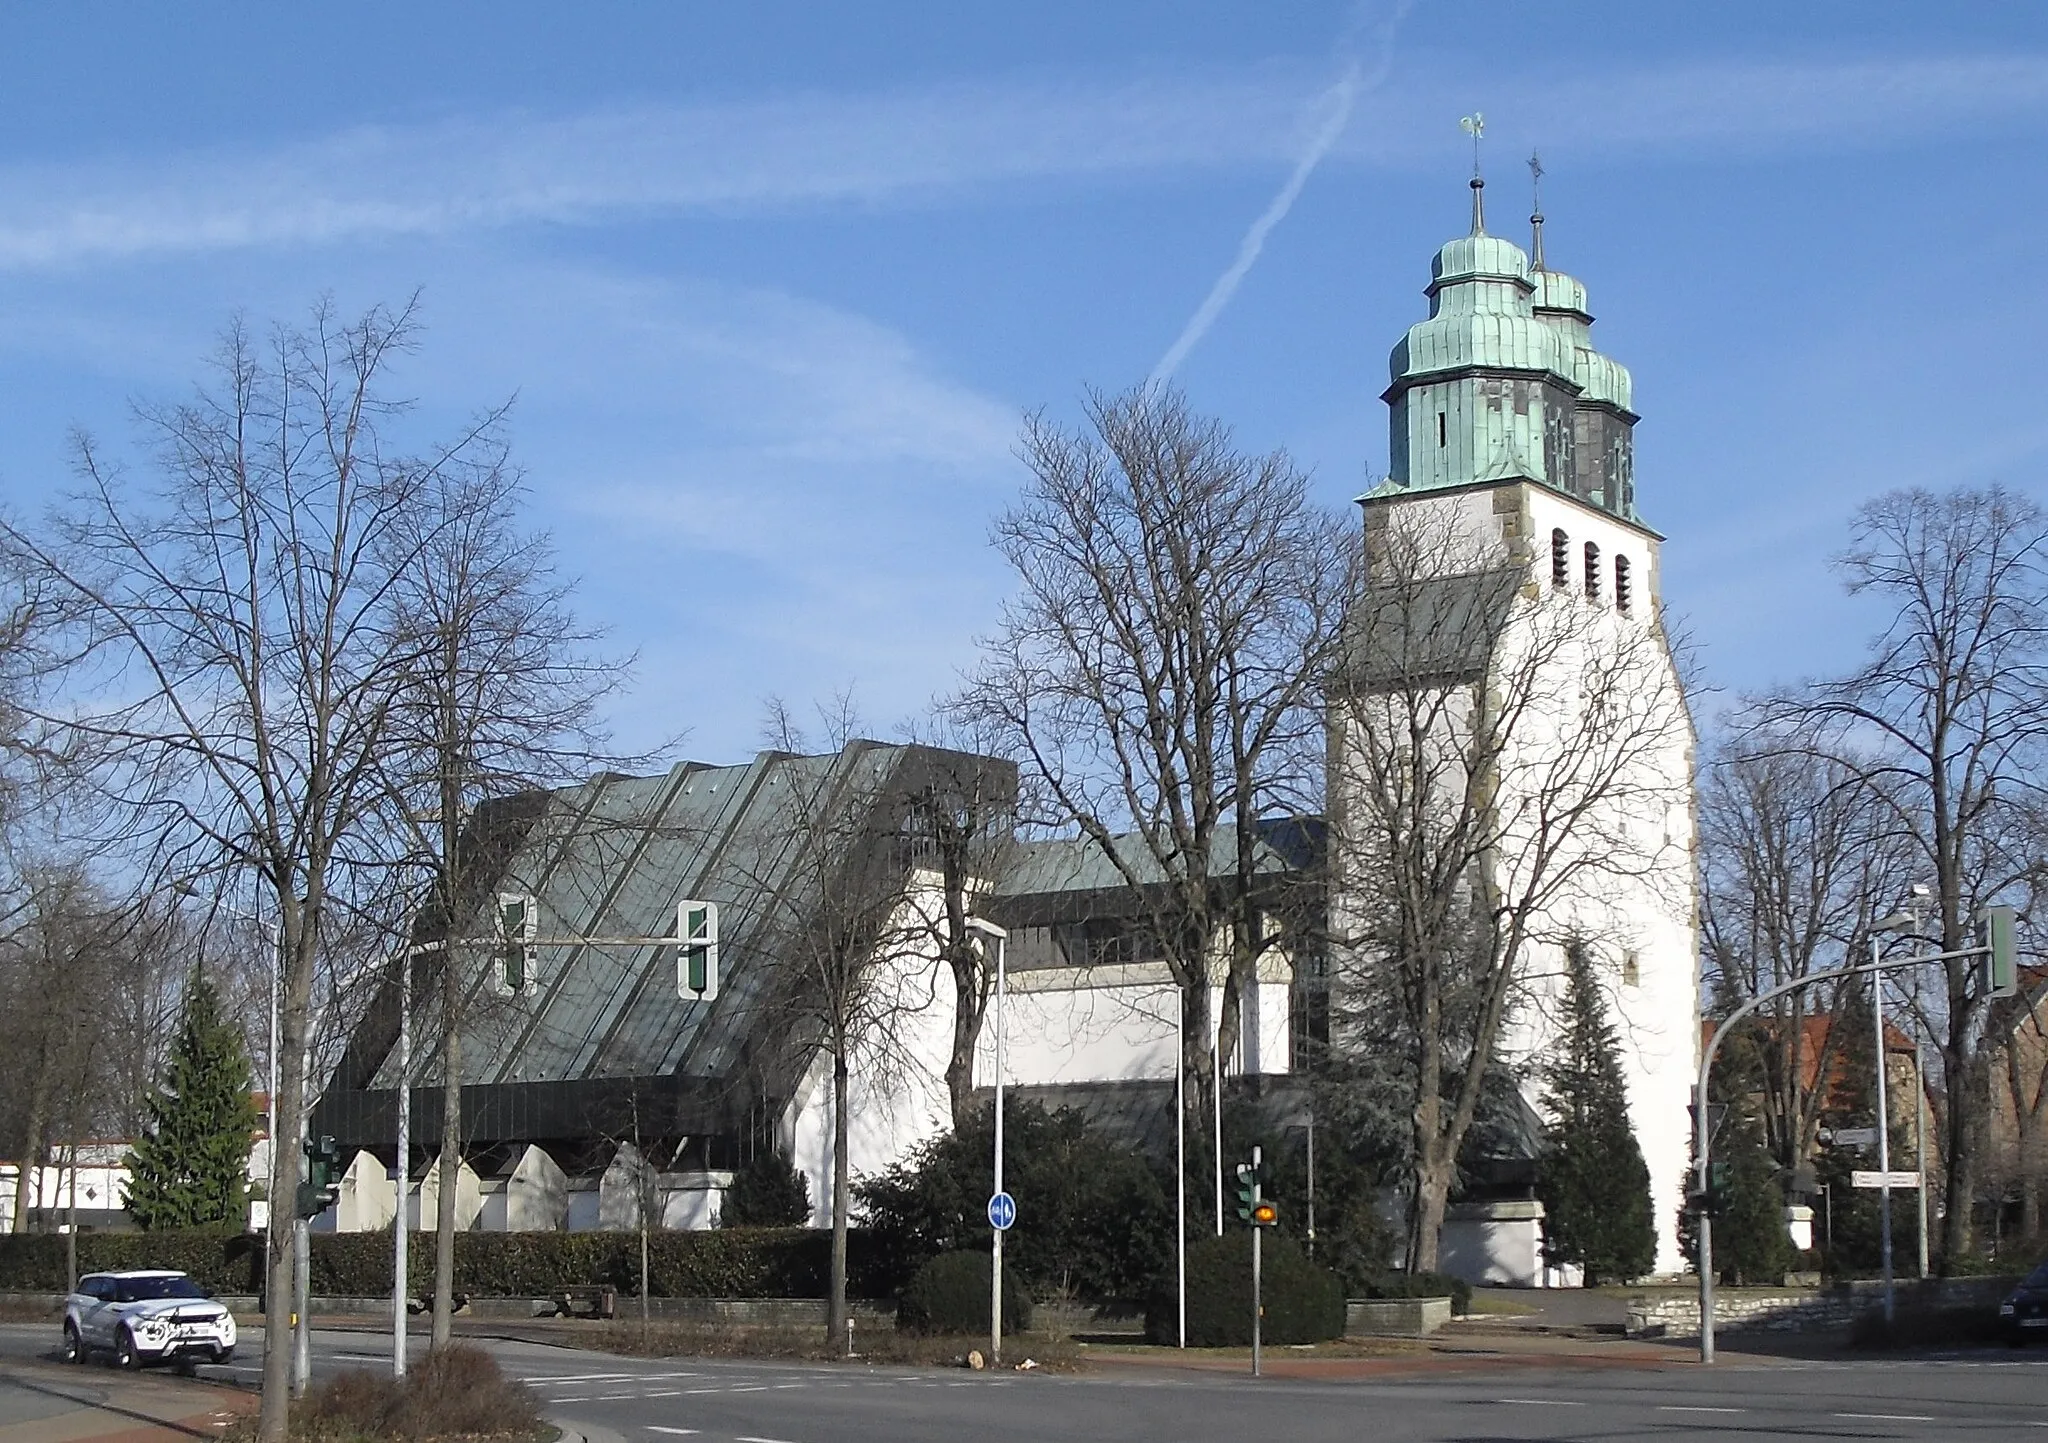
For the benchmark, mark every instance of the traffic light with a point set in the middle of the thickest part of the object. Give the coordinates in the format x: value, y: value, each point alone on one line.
x: 518, y: 922
x: 1264, y: 1215
x: 323, y: 1183
x: 1999, y: 966
x: 697, y: 957
x: 1720, y: 1180
x: 1247, y: 1191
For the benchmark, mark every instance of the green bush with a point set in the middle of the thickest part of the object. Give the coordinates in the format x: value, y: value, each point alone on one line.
x: 729, y: 1263
x: 1093, y: 1220
x: 1418, y: 1285
x: 1303, y: 1303
x: 949, y: 1294
x: 766, y: 1193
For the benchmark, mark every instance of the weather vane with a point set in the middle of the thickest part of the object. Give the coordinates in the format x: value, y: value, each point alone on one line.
x: 1536, y: 211
x: 1474, y: 125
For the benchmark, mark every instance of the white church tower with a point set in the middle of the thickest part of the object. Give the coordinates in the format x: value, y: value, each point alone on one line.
x: 1512, y: 452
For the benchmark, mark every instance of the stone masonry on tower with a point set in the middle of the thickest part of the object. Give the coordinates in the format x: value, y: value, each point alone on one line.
x: 1513, y: 694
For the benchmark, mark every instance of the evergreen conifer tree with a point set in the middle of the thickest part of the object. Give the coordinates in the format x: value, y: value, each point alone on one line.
x: 1592, y: 1179
x: 191, y: 1168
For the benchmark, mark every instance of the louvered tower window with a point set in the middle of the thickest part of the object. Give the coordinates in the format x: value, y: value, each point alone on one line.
x: 1592, y: 572
x: 1622, y: 594
x: 1560, y: 559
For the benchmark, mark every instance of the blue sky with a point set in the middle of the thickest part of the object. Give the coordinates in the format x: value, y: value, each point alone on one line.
x: 774, y: 283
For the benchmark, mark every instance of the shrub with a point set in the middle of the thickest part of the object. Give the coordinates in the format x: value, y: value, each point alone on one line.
x: 766, y: 1193
x: 949, y: 1294
x: 1303, y: 1303
x: 730, y: 1263
x: 1419, y: 1285
x: 1093, y: 1220
x: 455, y: 1392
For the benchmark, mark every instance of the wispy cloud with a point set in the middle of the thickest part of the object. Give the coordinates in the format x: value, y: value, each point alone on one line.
x: 1336, y: 106
x: 898, y: 147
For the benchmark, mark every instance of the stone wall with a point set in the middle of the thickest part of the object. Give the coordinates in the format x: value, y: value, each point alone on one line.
x: 1677, y: 1314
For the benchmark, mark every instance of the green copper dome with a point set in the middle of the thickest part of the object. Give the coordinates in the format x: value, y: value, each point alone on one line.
x: 1502, y: 382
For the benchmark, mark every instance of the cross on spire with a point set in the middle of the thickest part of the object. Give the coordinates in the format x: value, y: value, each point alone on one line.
x: 1536, y: 211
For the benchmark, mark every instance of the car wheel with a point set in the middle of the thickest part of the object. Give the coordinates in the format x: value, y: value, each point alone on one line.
x: 74, y: 1350
x: 125, y: 1356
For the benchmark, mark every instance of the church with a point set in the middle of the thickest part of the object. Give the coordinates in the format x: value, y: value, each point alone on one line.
x: 1511, y: 760
x: 1515, y: 602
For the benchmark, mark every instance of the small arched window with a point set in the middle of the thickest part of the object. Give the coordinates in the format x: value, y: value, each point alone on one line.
x: 1443, y: 430
x: 1623, y: 596
x: 1560, y: 559
x: 1592, y: 572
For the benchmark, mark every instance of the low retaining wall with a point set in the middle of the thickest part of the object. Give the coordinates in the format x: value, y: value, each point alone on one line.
x: 1395, y: 1317
x: 1787, y: 1310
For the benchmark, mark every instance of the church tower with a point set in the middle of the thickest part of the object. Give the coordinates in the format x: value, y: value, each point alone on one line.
x: 1536, y: 612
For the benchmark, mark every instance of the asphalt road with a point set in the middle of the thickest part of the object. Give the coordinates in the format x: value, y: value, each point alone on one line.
x: 1988, y: 1395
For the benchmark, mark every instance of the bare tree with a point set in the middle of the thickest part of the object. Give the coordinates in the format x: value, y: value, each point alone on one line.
x: 1947, y: 721
x: 498, y: 692
x: 1156, y: 675
x: 227, y: 653
x: 965, y: 820
x: 1503, y: 756
x: 846, y: 927
x: 1798, y: 860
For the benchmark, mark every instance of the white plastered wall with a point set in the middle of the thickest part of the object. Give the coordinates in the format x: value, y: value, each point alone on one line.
x: 1638, y: 917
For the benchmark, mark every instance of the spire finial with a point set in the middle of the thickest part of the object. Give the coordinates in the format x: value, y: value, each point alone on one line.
x: 1536, y: 211
x: 1474, y: 125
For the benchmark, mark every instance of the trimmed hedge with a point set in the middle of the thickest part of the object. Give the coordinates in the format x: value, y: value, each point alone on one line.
x: 949, y: 1294
x: 1420, y: 1285
x: 1303, y: 1303
x: 728, y: 1263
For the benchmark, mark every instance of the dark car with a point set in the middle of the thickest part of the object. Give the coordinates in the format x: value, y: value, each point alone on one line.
x: 2024, y: 1314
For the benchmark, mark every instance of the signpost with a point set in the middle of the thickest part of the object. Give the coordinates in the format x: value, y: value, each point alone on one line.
x: 1002, y: 1212
x: 1884, y: 1179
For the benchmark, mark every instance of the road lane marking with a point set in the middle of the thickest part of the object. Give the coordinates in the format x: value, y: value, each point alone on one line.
x: 1695, y: 1408
x: 743, y: 1438
x: 665, y: 1393
x: 1541, y: 1402
x: 1888, y: 1417
x: 614, y: 1397
x: 680, y: 1432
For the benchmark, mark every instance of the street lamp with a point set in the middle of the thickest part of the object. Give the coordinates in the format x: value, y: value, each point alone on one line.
x: 995, y: 1271
x: 1907, y: 923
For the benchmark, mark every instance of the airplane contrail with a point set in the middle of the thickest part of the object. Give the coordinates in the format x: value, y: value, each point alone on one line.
x: 1337, y: 103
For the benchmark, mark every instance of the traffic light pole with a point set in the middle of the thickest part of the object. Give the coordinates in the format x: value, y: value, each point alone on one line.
x: 1998, y: 951
x: 1258, y: 1292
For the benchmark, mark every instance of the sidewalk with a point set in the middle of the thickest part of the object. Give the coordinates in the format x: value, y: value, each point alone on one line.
x: 51, y: 1403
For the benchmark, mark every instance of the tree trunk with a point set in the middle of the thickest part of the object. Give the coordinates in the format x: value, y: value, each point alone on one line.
x: 31, y: 1151
x: 448, y: 1168
x: 1433, y: 1176
x: 835, y: 1310
x: 280, y: 1273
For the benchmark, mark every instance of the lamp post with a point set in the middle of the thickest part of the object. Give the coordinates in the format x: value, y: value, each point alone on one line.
x: 995, y: 1271
x: 1897, y: 922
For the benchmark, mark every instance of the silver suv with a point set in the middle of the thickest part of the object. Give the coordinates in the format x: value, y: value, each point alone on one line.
x: 146, y: 1317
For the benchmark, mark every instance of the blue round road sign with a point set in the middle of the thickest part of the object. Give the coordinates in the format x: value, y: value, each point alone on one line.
x: 1002, y: 1211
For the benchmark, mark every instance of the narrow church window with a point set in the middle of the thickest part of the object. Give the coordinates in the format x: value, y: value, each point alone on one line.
x: 1442, y: 432
x: 1592, y: 572
x: 1560, y: 559
x: 1622, y: 597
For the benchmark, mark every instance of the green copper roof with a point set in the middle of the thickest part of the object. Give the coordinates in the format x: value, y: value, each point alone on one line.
x: 1502, y: 382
